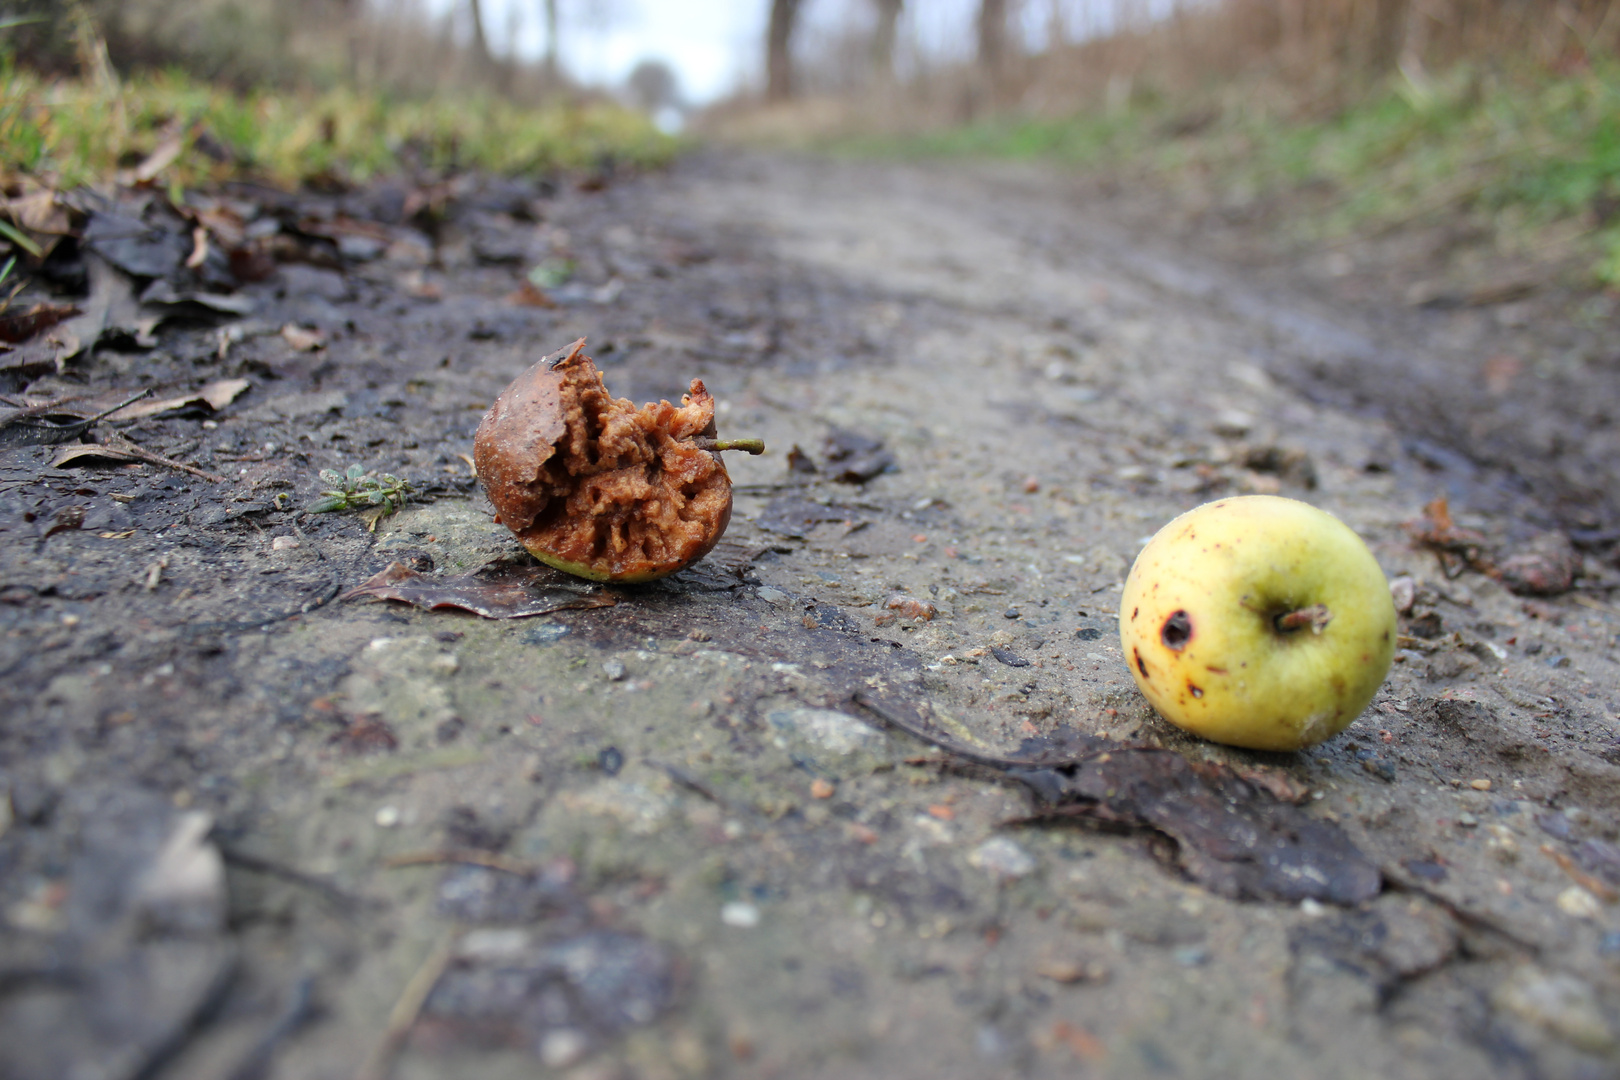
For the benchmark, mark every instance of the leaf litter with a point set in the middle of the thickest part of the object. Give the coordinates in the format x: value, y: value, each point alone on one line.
x: 498, y: 590
x: 1233, y: 836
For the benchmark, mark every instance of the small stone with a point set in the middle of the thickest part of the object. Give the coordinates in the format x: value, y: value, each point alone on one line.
x: 821, y: 789
x: 1312, y: 909
x: 1577, y: 903
x: 1010, y: 613
x: 1561, y: 1003
x: 1480, y: 784
x: 771, y: 595
x: 562, y: 1048
x: 1190, y: 955
x: 1465, y: 820
x: 614, y: 669
x: 1068, y: 971
x: 1031, y: 485
x: 1403, y: 590
x: 1002, y: 859
x: 1552, y: 662
x: 741, y: 914
x: 283, y: 543
x: 387, y: 817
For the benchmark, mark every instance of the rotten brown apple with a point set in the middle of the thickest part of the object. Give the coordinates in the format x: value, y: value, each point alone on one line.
x: 597, y: 487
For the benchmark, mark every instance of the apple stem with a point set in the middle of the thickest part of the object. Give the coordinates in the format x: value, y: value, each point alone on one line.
x: 750, y: 446
x: 1317, y: 616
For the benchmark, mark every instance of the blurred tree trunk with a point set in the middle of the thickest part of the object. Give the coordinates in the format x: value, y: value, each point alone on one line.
x: 992, y: 27
x: 779, y: 50
x: 888, y: 15
x: 480, y: 42
x: 551, y: 41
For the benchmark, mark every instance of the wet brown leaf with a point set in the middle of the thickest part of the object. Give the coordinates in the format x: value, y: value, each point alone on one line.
x: 19, y: 326
x: 499, y: 590
x: 1232, y: 836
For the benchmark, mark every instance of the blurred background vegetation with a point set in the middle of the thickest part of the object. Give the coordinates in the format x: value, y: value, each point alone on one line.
x: 1336, y: 117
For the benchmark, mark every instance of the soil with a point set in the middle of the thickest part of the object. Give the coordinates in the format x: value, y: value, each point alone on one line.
x: 254, y: 828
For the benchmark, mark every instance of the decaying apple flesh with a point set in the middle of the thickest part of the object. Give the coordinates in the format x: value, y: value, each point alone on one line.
x: 595, y: 486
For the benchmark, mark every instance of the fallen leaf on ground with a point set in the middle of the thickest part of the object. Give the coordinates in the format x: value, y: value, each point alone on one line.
x: 854, y: 458
x: 53, y: 422
x: 19, y: 326
x: 302, y: 338
x: 795, y: 516
x: 215, y: 395
x: 1232, y: 836
x: 499, y: 590
x: 115, y: 447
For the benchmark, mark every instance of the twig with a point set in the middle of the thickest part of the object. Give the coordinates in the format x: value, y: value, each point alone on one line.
x: 259, y: 865
x: 466, y: 856
x: 299, y: 1011
x: 380, y: 1062
x: 1600, y: 889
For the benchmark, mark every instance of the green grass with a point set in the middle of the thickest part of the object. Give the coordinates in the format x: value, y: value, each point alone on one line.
x: 1522, y: 149
x: 67, y: 133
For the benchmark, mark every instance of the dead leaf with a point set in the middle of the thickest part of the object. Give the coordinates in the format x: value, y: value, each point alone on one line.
x: 530, y: 295
x: 304, y: 339
x: 19, y: 326
x: 54, y: 422
x: 498, y: 590
x: 199, y: 248
x: 215, y: 395
x: 167, y: 151
x: 1233, y: 837
x: 115, y: 447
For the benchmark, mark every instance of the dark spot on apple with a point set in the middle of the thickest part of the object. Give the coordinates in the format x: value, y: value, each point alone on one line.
x: 1141, y: 665
x: 1215, y: 670
x: 1177, y: 631
x: 1386, y: 635
x: 1197, y: 691
x: 1135, y: 612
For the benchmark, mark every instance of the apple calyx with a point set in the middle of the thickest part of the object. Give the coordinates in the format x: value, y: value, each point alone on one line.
x: 1317, y: 616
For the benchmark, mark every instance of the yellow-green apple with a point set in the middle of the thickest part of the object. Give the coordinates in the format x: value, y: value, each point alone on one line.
x: 1258, y: 621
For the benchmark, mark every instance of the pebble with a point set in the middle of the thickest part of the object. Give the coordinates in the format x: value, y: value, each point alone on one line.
x: 283, y: 543
x: 1561, y: 1003
x: 1465, y: 820
x: 614, y: 669
x: 563, y: 1047
x: 821, y: 789
x: 387, y: 817
x: 1480, y: 785
x: 1578, y: 903
x: 771, y: 595
x: 741, y: 914
x: 1002, y: 859
x: 833, y: 731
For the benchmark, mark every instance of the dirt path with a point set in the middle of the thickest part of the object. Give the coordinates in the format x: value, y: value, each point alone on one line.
x: 673, y: 837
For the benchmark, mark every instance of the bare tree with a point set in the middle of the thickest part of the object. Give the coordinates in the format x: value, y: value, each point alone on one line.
x: 480, y: 42
x: 551, y: 40
x: 992, y: 27
x: 888, y: 15
x: 779, y: 50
